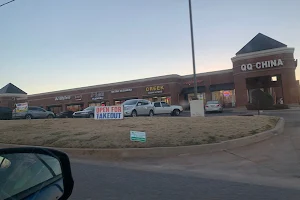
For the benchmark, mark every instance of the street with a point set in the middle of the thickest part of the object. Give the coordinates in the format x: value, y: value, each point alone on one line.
x: 266, y: 170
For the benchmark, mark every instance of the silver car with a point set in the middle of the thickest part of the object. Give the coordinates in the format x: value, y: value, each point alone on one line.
x: 33, y: 112
x: 213, y: 106
x: 136, y: 107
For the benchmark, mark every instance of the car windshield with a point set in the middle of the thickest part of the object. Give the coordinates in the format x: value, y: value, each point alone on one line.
x: 89, y: 108
x: 130, y: 102
x: 212, y: 102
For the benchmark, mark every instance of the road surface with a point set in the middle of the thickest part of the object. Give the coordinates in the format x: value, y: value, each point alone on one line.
x: 266, y: 170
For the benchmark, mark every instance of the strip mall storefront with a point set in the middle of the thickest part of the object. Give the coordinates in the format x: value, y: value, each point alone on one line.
x: 268, y: 67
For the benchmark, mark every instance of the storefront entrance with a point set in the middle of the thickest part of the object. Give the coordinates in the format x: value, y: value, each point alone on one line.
x: 268, y: 84
x: 55, y: 109
x: 75, y: 107
x: 165, y: 98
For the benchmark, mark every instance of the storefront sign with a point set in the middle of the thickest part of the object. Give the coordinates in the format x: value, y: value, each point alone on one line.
x: 21, y: 107
x: 122, y: 90
x: 61, y: 98
x: 137, y: 136
x: 226, y: 93
x: 109, y: 112
x: 192, y: 82
x: 78, y: 97
x: 262, y: 65
x: 155, y: 89
x: 97, y: 95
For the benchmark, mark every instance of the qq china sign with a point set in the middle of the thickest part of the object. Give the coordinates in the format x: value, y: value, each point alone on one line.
x: 108, y: 112
x: 155, y: 89
x: 262, y: 65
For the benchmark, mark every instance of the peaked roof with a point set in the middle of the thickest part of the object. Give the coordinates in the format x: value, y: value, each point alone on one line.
x: 260, y: 42
x: 11, y: 89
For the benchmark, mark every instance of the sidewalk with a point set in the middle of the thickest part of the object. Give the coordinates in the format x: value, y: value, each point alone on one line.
x: 274, y: 162
x: 244, y: 110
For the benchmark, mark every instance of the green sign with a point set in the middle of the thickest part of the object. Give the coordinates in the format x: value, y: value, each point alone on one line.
x: 137, y: 136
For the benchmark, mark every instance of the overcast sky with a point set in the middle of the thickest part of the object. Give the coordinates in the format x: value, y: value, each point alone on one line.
x: 48, y: 45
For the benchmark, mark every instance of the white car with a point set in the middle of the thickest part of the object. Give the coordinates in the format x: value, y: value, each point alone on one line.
x: 213, y: 106
x: 161, y: 107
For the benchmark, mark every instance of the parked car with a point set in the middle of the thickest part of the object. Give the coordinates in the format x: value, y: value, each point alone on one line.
x: 136, y: 107
x: 86, y: 113
x: 5, y: 113
x: 65, y: 114
x: 213, y: 106
x: 161, y: 107
x: 33, y: 112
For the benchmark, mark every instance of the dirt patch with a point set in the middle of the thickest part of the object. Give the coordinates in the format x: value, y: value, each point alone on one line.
x: 161, y: 131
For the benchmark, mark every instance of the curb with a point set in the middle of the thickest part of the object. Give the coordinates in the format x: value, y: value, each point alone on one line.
x: 159, y: 152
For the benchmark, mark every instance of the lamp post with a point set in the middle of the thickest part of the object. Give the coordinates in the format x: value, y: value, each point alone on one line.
x: 193, y: 50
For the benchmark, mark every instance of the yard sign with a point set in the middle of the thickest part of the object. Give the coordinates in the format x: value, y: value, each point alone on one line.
x: 137, y: 136
x: 108, y: 112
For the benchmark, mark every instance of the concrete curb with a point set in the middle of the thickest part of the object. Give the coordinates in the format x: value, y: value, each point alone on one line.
x: 158, y: 152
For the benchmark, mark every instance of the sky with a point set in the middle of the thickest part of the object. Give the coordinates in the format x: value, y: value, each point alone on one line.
x: 48, y: 45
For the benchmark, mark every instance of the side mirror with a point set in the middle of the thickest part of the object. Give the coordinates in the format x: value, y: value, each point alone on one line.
x: 35, y: 173
x: 139, y: 104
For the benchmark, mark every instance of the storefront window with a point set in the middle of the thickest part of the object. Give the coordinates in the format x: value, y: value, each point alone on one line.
x: 55, y: 109
x: 225, y: 97
x: 99, y: 104
x: 191, y: 96
x: 166, y: 99
x: 74, y: 108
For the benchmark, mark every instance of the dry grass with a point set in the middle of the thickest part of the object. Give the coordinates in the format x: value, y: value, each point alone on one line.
x: 161, y: 131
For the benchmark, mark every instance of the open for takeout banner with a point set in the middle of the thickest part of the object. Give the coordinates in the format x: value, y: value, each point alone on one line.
x: 108, y: 112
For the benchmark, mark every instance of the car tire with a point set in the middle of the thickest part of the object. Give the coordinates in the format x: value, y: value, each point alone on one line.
x: 176, y: 112
x: 28, y: 116
x: 151, y: 113
x: 91, y: 115
x: 134, y: 113
x: 50, y: 116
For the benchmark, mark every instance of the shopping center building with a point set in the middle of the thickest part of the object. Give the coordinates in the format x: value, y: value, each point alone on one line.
x: 263, y: 63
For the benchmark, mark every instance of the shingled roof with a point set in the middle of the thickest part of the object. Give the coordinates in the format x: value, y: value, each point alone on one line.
x: 11, y: 89
x: 259, y: 43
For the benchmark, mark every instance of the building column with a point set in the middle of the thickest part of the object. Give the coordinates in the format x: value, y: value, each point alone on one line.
x: 241, y: 95
x: 289, y: 87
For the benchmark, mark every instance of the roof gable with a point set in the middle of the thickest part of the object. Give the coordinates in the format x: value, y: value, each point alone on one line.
x: 259, y: 43
x: 11, y: 89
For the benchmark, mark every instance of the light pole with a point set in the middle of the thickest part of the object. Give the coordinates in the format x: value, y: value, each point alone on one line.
x: 193, y: 50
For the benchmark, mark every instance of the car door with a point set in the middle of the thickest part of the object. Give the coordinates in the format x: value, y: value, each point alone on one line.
x: 39, y: 113
x: 147, y: 105
x: 140, y: 108
x: 166, y: 108
x: 157, y: 108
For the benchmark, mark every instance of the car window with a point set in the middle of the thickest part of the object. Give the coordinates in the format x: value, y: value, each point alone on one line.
x: 31, y: 108
x: 212, y: 102
x: 39, y: 109
x: 130, y: 102
x: 145, y: 103
x: 164, y: 104
x: 157, y: 104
